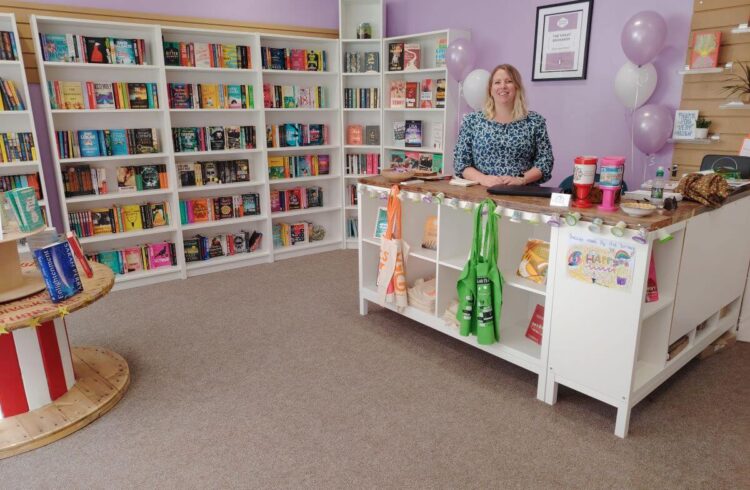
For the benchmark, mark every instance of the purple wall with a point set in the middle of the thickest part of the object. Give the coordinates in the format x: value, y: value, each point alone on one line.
x: 583, y: 116
x: 307, y: 13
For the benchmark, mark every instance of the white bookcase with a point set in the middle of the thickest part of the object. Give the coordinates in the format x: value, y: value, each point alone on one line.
x: 198, y: 117
x: 20, y: 121
x: 352, y: 13
x: 439, y: 125
x: 58, y: 120
x: 164, y: 119
x: 329, y: 216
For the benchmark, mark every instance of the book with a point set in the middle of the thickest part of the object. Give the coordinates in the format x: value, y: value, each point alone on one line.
x: 55, y: 47
x: 125, y: 52
x: 126, y: 179
x: 398, y: 94
x: 425, y: 94
x: 131, y: 217
x: 372, y: 135
x: 652, y: 290
x: 372, y: 62
x: 413, y: 134
x: 536, y: 325
x: 429, y: 236
x: 705, y: 52
x: 75, y: 247
x: 381, y: 222
x: 399, y: 131
x: 396, y: 56
x: 354, y: 134
x: 104, y: 96
x: 149, y: 177
x: 412, y: 55
x: 25, y: 207
x: 171, y: 53
x: 217, y: 136
x: 410, y: 101
x: 72, y: 95
x: 88, y: 142
x: 58, y: 268
x: 138, y: 96
x: 96, y: 50
x: 132, y: 259
x: 440, y: 51
x: 440, y: 93
x: 684, y: 124
x: 160, y: 255
x: 436, y: 129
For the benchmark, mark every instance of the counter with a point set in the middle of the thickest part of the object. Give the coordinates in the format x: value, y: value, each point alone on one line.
x: 601, y: 336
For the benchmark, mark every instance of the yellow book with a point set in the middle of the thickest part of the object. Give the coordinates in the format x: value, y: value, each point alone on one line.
x: 3, y: 149
x: 209, y: 96
x: 131, y: 214
x: 72, y: 94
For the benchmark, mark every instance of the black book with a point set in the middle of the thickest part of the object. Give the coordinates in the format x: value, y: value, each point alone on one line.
x: 396, y: 56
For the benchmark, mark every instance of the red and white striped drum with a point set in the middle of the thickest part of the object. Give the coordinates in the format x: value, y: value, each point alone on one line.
x: 36, y: 367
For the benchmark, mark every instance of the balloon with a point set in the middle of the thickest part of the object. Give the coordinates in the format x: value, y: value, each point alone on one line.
x: 634, y: 85
x: 475, y: 88
x: 643, y: 36
x: 652, y: 127
x: 460, y: 58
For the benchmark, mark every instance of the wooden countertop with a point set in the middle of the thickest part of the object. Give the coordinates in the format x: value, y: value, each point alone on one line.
x: 477, y: 193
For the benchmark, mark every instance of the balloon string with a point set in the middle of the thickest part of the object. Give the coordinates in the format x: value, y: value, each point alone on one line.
x: 632, y: 129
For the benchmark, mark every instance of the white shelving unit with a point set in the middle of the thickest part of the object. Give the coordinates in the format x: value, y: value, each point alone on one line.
x: 603, y: 340
x: 197, y: 117
x: 330, y: 215
x: 151, y: 72
x: 351, y: 14
x: 20, y: 121
x: 430, y: 117
x: 702, y: 71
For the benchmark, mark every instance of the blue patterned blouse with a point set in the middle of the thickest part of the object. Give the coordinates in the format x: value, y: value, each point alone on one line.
x: 495, y: 148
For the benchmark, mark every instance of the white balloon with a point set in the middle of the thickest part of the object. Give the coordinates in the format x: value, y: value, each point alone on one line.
x: 634, y: 85
x: 475, y: 88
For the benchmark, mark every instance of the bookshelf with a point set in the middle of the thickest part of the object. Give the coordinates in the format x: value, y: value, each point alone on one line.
x: 202, y: 115
x: 329, y: 216
x: 438, y: 124
x: 151, y: 72
x: 355, y: 83
x: 20, y: 121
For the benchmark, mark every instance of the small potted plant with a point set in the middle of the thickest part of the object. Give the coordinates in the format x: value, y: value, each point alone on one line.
x: 701, y: 128
x: 739, y: 83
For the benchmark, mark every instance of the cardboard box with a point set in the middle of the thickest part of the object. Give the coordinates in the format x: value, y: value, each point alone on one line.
x: 725, y: 341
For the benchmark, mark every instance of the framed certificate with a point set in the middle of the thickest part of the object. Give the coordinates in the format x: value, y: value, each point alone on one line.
x: 561, y: 45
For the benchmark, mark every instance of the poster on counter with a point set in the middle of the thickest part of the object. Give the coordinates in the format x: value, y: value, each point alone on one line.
x: 601, y: 261
x: 562, y: 39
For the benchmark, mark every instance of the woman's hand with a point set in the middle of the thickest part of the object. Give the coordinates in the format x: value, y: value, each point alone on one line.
x: 503, y: 180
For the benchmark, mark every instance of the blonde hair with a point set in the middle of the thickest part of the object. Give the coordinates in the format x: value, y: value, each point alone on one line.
x: 520, y: 109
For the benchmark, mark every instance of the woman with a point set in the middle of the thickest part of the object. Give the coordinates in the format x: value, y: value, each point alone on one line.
x: 505, y: 143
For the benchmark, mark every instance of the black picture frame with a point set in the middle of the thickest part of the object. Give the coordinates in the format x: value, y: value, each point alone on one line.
x: 562, y: 52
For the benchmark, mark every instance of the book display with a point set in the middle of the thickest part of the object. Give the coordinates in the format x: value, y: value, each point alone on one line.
x: 216, y: 113
x: 303, y: 140
x: 20, y: 164
x: 363, y: 60
x: 105, y: 101
x: 420, y: 101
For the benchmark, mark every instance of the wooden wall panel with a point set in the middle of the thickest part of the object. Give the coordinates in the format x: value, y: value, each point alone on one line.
x: 23, y: 10
x: 703, y: 92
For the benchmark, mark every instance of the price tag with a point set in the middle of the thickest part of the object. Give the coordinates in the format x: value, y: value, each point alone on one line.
x: 559, y: 200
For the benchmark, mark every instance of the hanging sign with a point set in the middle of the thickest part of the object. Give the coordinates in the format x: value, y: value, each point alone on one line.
x: 601, y: 261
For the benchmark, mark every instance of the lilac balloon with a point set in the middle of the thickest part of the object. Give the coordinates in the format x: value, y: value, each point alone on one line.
x: 643, y: 36
x: 460, y: 58
x: 652, y: 127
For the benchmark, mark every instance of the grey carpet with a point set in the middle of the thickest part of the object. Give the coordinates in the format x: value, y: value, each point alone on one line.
x: 268, y: 377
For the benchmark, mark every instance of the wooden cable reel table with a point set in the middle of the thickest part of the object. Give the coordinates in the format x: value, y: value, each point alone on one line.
x: 47, y: 389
